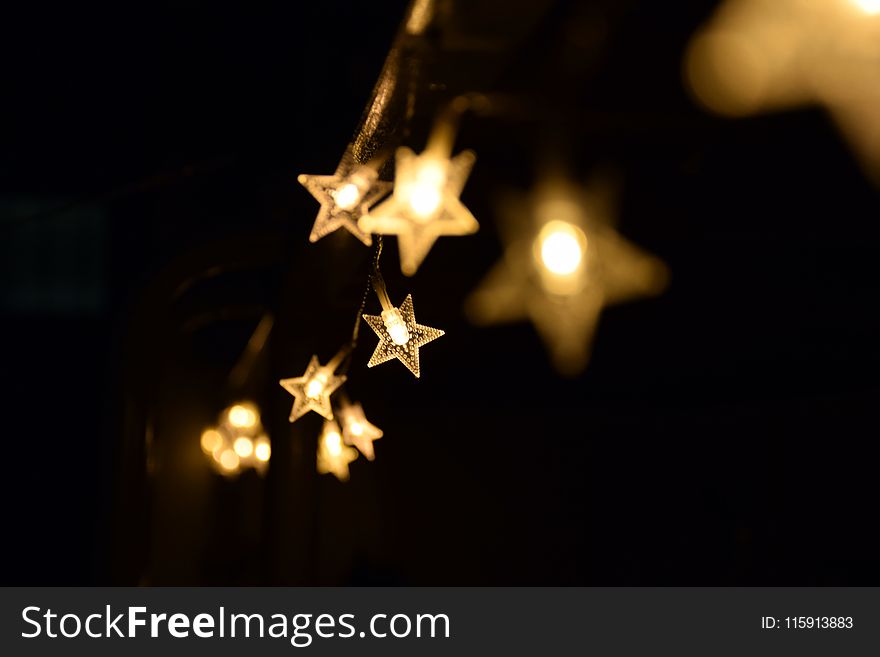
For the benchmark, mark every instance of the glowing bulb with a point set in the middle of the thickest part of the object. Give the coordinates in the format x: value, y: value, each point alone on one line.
x: 263, y: 451
x: 561, y: 247
x: 243, y: 446
x: 356, y: 428
x: 316, y: 384
x: 870, y: 7
x: 242, y: 416
x: 229, y: 460
x: 396, y: 326
x: 333, y: 442
x: 211, y: 441
x: 425, y: 191
x: 347, y: 196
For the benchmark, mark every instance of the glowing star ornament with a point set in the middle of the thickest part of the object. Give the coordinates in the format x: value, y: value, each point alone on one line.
x: 357, y: 430
x: 563, y: 263
x: 333, y: 454
x: 345, y: 197
x: 312, y: 390
x: 756, y: 56
x: 424, y: 205
x: 399, y: 335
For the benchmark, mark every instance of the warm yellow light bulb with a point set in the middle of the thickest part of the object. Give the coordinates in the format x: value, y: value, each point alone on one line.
x: 395, y: 325
x: 425, y: 192
x: 211, y: 441
x: 316, y: 384
x: 356, y: 428
x: 347, y: 196
x: 242, y: 416
x: 243, y: 446
x: 870, y: 7
x: 229, y: 460
x: 333, y: 442
x: 263, y: 451
x: 562, y: 247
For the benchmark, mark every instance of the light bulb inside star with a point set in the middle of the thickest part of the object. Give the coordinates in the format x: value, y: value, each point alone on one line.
x: 561, y: 247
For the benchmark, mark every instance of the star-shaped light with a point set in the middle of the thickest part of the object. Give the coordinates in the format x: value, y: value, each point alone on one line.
x: 400, y: 336
x: 357, y: 430
x: 345, y: 197
x: 764, y: 55
x: 333, y: 454
x: 424, y: 204
x: 563, y: 263
x: 312, y: 390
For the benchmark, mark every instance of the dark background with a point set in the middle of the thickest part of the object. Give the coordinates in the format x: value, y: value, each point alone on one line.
x: 724, y: 433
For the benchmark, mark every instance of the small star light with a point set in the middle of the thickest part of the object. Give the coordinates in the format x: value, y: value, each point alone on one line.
x: 312, y: 390
x: 765, y: 55
x: 345, y: 197
x: 425, y: 203
x: 333, y: 454
x: 562, y: 264
x: 399, y: 335
x: 357, y: 430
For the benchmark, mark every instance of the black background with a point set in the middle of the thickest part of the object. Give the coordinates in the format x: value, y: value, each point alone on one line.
x: 724, y: 433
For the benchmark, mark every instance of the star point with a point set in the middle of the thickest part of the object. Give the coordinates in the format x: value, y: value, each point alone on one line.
x: 400, y: 336
x: 312, y: 390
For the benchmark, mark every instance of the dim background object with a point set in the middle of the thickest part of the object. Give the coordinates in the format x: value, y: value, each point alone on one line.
x: 760, y: 55
x: 723, y: 434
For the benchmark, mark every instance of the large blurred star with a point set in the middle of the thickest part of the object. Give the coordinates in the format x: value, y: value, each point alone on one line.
x: 760, y: 55
x: 333, y: 455
x: 357, y: 430
x: 424, y: 205
x: 404, y: 347
x: 563, y: 262
x: 312, y: 390
x: 345, y: 197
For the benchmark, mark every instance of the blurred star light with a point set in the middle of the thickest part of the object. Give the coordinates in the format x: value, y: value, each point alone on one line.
x: 763, y: 55
x: 563, y: 262
x: 333, y: 454
x: 237, y: 441
x: 357, y: 430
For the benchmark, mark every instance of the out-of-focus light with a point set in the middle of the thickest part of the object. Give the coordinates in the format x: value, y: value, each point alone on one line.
x: 425, y: 191
x: 561, y: 247
x: 242, y: 416
x: 333, y: 455
x: 316, y: 384
x: 870, y: 7
x: 211, y: 441
x: 243, y: 446
x: 263, y: 450
x: 347, y: 196
x: 357, y: 430
x: 229, y: 460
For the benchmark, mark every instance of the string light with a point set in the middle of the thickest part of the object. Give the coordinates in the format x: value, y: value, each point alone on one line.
x: 562, y: 264
x: 237, y: 441
x: 312, y: 390
x: 333, y: 454
x: 399, y: 335
x: 425, y: 202
x: 357, y: 430
x: 345, y: 197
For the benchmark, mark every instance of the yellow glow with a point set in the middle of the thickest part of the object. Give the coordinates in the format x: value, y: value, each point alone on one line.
x: 562, y: 247
x: 242, y: 416
x: 356, y: 428
x: 425, y: 193
x: 263, y: 451
x: 316, y: 384
x: 229, y: 460
x: 870, y: 7
x: 396, y: 326
x: 347, y: 196
x: 333, y: 443
x: 211, y: 441
x: 243, y: 446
